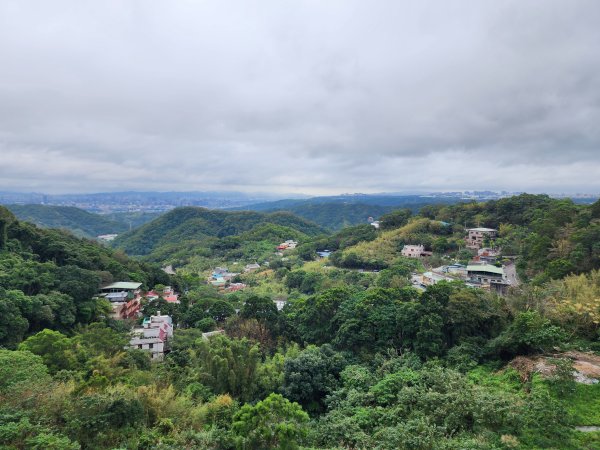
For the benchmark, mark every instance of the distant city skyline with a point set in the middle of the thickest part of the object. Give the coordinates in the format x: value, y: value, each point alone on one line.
x: 317, y: 98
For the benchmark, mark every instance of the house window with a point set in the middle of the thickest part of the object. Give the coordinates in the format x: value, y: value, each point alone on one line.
x: 140, y: 346
x: 150, y: 345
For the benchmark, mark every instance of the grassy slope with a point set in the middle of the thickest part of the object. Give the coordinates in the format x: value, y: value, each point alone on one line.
x: 388, y: 244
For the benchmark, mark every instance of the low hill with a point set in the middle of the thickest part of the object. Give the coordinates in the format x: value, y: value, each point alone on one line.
x: 191, y: 226
x: 79, y: 222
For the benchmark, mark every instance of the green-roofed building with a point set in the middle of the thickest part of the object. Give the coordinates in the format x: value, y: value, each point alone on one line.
x: 121, y: 286
x: 486, y: 273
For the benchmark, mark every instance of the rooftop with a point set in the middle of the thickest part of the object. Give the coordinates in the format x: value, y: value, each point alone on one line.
x: 125, y: 285
x: 485, y: 268
x: 482, y: 229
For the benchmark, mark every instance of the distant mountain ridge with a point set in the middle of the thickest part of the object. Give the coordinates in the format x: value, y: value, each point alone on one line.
x: 337, y: 212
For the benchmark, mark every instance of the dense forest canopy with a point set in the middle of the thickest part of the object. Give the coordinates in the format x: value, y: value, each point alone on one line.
x: 188, y: 231
x: 352, y: 356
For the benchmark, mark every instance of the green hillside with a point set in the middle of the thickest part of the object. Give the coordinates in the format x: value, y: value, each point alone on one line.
x: 550, y: 238
x: 335, y: 213
x: 335, y: 216
x: 48, y: 278
x: 79, y: 222
x: 188, y: 229
x: 355, y: 359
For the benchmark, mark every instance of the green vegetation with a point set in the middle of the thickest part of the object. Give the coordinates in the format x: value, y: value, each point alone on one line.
x: 552, y: 238
x: 357, y: 357
x: 335, y: 216
x: 184, y: 233
x: 48, y: 279
x: 77, y: 221
x: 335, y: 213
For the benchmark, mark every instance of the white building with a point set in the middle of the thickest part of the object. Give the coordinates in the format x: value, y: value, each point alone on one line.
x: 414, y: 251
x: 153, y: 336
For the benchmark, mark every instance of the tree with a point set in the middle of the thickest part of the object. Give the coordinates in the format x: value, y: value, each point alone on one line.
x: 370, y: 321
x: 99, y: 339
x: 228, y: 365
x: 595, y: 210
x: 429, y: 341
x: 312, y: 375
x: 260, y: 308
x: 473, y: 313
x: 312, y: 317
x: 57, y: 351
x: 12, y: 324
x: 528, y: 333
x: 255, y: 330
x: 3, y: 234
x: 20, y: 370
x: 221, y: 310
x: 395, y: 219
x: 274, y: 422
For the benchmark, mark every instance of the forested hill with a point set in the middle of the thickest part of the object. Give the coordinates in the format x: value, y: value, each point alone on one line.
x: 337, y: 212
x: 48, y: 278
x: 187, y: 226
x: 79, y: 222
x: 335, y: 216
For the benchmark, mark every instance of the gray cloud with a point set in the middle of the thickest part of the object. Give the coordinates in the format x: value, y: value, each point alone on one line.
x: 315, y: 97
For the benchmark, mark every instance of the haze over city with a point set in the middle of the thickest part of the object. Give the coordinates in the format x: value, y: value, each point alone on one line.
x: 303, y: 97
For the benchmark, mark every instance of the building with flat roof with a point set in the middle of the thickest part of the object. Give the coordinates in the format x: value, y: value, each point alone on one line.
x: 486, y: 274
x: 121, y: 286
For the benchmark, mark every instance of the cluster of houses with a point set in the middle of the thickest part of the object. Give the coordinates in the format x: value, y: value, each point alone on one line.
x: 126, y: 298
x: 485, y: 270
x: 287, y: 245
x: 476, y: 239
x: 222, y: 278
x: 497, y: 278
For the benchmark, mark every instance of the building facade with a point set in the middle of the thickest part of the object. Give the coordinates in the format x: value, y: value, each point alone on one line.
x: 477, y: 236
x: 414, y: 251
x: 153, y: 336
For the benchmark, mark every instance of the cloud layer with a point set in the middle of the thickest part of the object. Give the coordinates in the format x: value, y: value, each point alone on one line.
x: 314, y: 97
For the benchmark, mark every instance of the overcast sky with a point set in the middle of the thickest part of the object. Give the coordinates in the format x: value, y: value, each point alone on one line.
x: 316, y: 97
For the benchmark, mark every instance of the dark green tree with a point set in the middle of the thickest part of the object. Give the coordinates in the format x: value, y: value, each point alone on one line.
x: 273, y: 423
